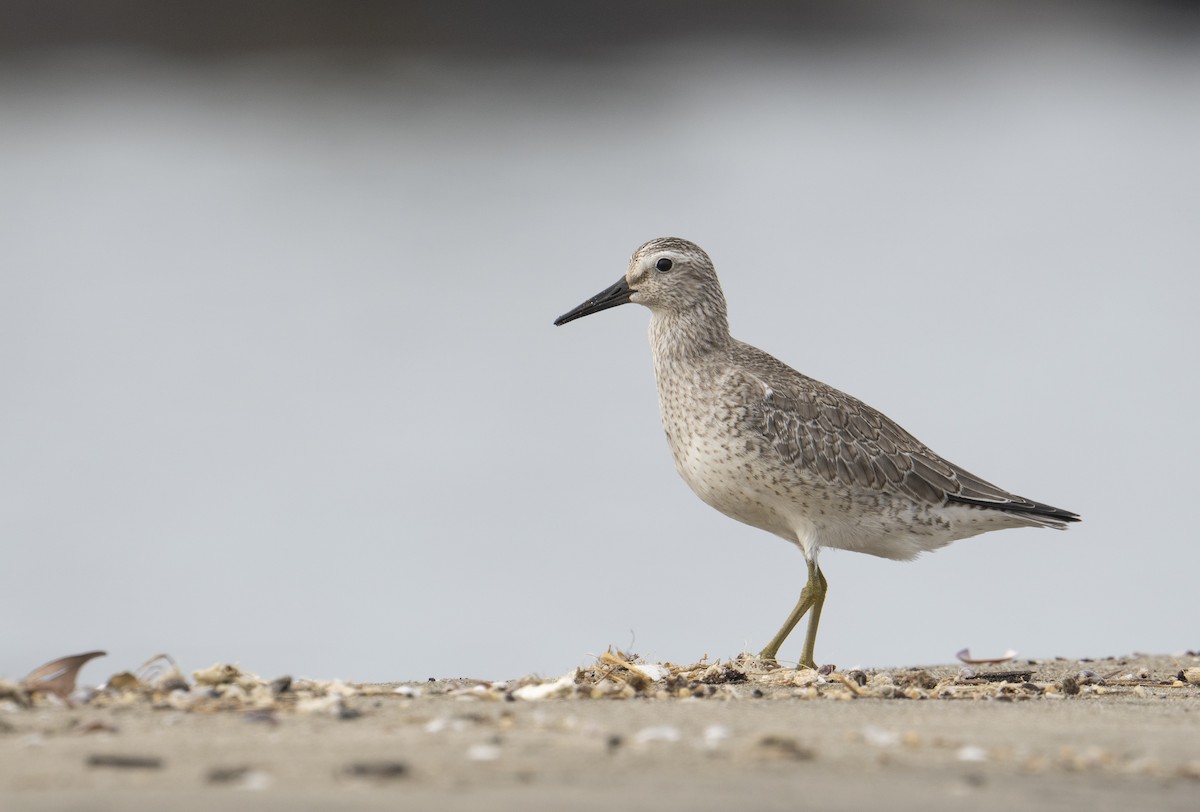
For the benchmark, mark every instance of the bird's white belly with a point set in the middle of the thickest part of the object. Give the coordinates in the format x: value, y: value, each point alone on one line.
x: 812, y: 514
x: 725, y: 481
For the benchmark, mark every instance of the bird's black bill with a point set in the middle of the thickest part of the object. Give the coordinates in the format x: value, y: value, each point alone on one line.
x: 618, y: 294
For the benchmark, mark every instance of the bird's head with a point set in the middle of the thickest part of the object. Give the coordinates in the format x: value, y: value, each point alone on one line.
x: 666, y: 275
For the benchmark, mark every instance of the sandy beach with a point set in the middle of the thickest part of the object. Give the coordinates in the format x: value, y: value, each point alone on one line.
x: 1110, y: 733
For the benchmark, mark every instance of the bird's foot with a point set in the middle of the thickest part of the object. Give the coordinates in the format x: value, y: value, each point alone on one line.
x: 767, y: 660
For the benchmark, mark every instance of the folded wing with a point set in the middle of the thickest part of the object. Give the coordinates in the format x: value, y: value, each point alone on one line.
x: 844, y: 441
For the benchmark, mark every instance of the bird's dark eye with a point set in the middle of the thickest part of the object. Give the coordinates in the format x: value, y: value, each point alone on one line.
x: 663, y: 264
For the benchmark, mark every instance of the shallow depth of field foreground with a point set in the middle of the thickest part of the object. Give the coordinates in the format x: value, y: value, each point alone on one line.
x: 1109, y: 733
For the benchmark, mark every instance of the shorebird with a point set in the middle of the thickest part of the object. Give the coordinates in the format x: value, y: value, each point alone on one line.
x: 785, y: 453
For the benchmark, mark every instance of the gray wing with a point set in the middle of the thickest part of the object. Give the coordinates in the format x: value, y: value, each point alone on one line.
x: 844, y: 441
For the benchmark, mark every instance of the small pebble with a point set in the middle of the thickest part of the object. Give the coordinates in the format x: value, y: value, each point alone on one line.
x: 483, y: 752
x: 714, y: 735
x: 261, y: 716
x: 122, y: 762
x: 376, y: 769
x: 971, y: 753
x: 660, y: 733
x: 242, y: 777
x: 786, y: 747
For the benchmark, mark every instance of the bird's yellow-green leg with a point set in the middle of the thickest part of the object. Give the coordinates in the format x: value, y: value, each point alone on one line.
x: 812, y: 595
x: 810, y: 640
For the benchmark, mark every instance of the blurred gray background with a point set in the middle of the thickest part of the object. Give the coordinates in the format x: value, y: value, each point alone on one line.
x: 279, y: 385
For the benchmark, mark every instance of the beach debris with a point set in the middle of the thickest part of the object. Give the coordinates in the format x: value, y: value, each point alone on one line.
x: 436, y: 725
x: 378, y: 770
x: 124, y: 762
x: 218, y: 674
x: 261, y: 716
x: 162, y: 673
x: 12, y: 694
x: 723, y: 674
x: 638, y: 676
x: 971, y: 753
x: 714, y: 735
x: 1003, y: 676
x: 58, y: 677
x: 659, y: 671
x: 918, y: 679
x: 339, y: 688
x: 614, y: 675
x: 328, y: 705
x: 226, y: 775
x: 965, y: 656
x: 852, y: 685
x: 240, y: 777
x: 562, y: 687
x: 785, y: 747
x: 123, y: 681
x: 483, y: 751
x: 657, y: 733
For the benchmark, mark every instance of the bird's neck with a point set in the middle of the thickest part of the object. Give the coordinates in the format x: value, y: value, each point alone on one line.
x: 686, y: 336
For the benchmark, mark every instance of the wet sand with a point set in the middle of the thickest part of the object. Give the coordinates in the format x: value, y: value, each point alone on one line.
x: 1125, y: 735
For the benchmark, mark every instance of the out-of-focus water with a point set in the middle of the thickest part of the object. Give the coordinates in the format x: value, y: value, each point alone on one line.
x: 278, y: 382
